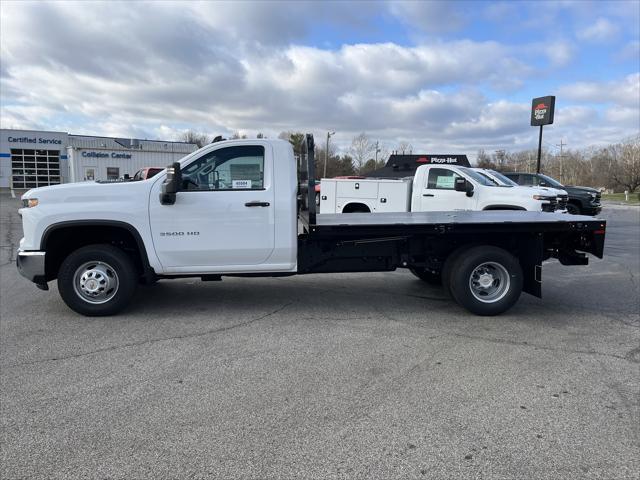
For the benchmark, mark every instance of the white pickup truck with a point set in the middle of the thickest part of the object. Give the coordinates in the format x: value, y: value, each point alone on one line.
x: 433, y: 188
x: 503, y: 181
x: 230, y: 209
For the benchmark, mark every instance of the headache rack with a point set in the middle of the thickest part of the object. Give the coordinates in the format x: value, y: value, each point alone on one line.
x: 307, y: 174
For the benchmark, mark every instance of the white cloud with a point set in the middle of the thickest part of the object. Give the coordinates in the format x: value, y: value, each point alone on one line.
x: 602, y: 30
x: 624, y: 92
x: 430, y: 17
x: 559, y: 53
x: 118, y: 69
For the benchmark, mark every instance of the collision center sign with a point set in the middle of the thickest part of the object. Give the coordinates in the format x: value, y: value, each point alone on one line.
x: 542, y: 110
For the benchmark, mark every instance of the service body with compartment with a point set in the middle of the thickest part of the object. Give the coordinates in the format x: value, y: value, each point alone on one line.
x: 231, y: 209
x: 431, y: 189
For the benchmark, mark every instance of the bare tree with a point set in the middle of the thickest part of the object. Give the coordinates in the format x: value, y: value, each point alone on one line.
x: 627, y: 171
x: 484, y: 161
x: 383, y: 155
x: 404, y: 148
x: 361, y: 150
x: 191, y: 136
x: 237, y: 135
x: 296, y: 139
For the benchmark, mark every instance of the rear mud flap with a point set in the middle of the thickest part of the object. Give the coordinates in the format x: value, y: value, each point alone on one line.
x: 531, y: 256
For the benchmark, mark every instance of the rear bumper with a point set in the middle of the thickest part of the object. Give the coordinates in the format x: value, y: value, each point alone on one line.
x: 31, y: 266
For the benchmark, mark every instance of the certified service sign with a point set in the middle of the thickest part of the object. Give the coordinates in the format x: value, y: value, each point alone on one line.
x: 542, y: 109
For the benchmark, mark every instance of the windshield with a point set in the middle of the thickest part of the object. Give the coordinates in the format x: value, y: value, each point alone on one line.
x: 485, y: 175
x: 504, y: 179
x: 550, y: 181
x: 477, y: 177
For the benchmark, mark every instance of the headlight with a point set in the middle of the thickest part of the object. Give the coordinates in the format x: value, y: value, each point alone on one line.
x: 29, y: 202
x: 541, y: 197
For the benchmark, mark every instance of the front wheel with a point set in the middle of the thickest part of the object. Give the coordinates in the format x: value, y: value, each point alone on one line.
x: 573, y: 209
x: 486, y: 280
x: 97, y: 280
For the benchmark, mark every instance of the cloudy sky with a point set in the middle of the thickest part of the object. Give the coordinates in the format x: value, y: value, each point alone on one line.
x: 445, y: 76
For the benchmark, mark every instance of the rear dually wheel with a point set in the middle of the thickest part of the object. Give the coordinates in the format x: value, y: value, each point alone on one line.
x: 486, y: 280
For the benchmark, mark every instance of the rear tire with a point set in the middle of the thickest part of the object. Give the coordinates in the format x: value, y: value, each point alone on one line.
x: 573, y: 209
x: 486, y: 280
x: 426, y: 275
x: 97, y: 280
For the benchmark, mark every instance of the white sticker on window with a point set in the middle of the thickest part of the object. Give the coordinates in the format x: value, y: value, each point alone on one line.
x: 241, y: 184
x: 445, y: 182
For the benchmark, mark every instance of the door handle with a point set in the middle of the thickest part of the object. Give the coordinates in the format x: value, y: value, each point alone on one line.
x: 427, y: 195
x: 257, y: 204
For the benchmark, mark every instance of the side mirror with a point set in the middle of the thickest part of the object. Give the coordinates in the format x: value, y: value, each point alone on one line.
x: 462, y: 185
x: 171, y: 184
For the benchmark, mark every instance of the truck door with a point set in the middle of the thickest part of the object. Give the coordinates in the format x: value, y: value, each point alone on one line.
x: 223, y: 215
x: 439, y: 194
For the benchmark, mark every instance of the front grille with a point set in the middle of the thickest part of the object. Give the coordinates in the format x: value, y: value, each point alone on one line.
x: 563, y: 200
x: 598, y: 197
x: 551, y: 206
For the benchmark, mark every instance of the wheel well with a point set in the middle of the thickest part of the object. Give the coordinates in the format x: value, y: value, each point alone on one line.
x: 356, y: 208
x: 60, y: 241
x: 503, y: 207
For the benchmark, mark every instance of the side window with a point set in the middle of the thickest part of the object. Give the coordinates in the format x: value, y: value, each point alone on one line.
x: 441, y: 179
x: 231, y: 168
x: 526, y: 180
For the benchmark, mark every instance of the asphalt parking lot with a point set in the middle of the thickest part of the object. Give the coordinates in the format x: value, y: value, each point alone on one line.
x: 326, y: 376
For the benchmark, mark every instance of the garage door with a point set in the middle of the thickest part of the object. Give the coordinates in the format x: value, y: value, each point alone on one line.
x: 34, y: 168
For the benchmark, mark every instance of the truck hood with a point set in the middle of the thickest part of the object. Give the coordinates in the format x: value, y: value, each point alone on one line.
x: 89, y: 191
x: 578, y: 190
x: 523, y: 190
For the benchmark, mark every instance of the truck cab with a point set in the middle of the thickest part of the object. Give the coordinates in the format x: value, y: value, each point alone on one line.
x: 449, y: 187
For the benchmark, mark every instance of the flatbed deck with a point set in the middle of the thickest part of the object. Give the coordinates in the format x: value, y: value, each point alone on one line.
x: 398, y: 223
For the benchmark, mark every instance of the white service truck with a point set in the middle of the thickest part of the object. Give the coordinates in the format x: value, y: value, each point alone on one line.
x: 433, y: 188
x: 230, y: 209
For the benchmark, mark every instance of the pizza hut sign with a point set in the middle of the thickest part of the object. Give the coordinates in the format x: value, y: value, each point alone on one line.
x: 542, y: 110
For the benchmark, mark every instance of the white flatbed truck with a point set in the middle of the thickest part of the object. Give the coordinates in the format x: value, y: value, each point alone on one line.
x: 230, y: 209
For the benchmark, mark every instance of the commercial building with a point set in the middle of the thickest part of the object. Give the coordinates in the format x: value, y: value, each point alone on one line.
x: 30, y: 158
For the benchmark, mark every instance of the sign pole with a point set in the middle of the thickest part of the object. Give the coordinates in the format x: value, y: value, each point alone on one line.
x: 539, y: 150
x: 542, y: 109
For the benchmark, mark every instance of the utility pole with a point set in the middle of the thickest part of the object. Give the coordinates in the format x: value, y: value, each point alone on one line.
x: 500, y: 157
x: 326, y: 154
x: 377, y: 151
x: 561, y: 158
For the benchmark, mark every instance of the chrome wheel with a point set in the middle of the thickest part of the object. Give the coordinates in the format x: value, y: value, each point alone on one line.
x: 95, y: 282
x: 489, y: 282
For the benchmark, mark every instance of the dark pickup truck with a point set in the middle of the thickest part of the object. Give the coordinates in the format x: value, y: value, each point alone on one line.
x: 582, y: 200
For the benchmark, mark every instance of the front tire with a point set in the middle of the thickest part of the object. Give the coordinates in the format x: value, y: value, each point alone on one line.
x: 97, y: 280
x: 486, y: 280
x: 573, y: 209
